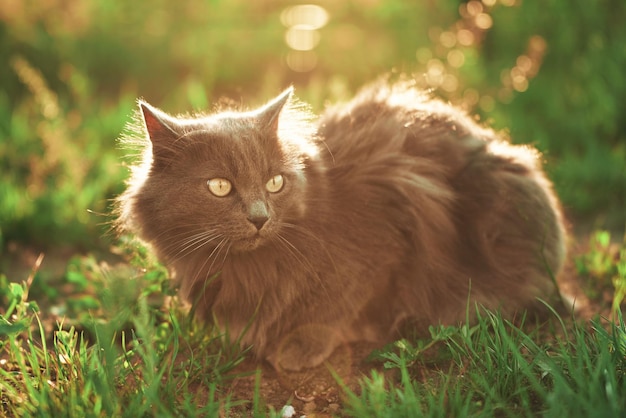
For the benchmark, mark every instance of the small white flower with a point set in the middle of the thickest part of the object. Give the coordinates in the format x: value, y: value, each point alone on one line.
x: 288, y: 411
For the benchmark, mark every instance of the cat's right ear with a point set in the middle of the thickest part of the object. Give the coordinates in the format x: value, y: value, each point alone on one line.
x: 162, y: 132
x: 159, y: 125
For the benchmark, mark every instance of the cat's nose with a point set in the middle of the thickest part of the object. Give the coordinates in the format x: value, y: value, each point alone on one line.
x: 257, y: 214
x: 258, y: 221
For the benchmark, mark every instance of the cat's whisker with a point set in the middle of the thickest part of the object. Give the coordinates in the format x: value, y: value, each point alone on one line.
x: 226, y: 254
x: 166, y: 230
x: 209, y: 273
x: 182, y: 229
x: 302, y: 259
x: 201, y: 238
x: 173, y: 242
x: 293, y: 250
x: 186, y: 240
x: 194, y: 244
x: 218, y: 248
x: 310, y: 234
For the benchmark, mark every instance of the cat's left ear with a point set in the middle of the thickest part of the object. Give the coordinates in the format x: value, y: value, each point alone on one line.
x: 269, y: 114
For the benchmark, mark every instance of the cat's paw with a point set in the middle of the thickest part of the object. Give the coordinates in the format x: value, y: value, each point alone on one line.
x: 307, y: 347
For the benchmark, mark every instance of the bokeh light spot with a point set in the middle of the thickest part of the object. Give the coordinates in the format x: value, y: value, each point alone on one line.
x: 524, y: 63
x: 474, y: 8
x: 483, y: 21
x: 471, y: 97
x: 465, y: 37
x: 538, y: 44
x: 456, y: 58
x: 302, y: 37
x: 447, y: 39
x: 435, y: 72
x: 520, y: 84
x: 450, y: 83
x: 311, y: 15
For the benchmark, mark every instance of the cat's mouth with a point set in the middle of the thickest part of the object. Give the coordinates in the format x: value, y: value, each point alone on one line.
x: 250, y: 243
x: 252, y: 240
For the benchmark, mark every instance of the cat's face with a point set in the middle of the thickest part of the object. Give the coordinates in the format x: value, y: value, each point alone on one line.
x: 226, y: 182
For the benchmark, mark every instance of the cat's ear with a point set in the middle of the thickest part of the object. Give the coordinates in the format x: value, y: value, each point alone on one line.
x: 269, y: 114
x: 161, y: 128
x: 162, y: 131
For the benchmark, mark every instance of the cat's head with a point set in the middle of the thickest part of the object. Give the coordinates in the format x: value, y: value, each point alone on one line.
x: 230, y: 180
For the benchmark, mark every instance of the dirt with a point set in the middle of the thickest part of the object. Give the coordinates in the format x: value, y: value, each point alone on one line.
x: 312, y: 392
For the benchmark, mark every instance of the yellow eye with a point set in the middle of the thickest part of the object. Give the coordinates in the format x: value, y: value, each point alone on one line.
x: 219, y: 187
x: 275, y: 184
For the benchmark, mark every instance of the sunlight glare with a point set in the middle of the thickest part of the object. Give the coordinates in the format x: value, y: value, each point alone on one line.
x: 311, y: 15
x: 303, y: 22
x: 302, y: 37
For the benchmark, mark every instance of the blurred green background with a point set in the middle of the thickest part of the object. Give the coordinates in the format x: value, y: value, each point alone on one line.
x: 551, y: 72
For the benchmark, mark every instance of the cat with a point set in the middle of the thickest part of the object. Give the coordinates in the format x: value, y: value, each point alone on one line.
x: 298, y: 235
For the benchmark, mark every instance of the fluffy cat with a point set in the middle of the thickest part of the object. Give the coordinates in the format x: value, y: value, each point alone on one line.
x: 393, y: 207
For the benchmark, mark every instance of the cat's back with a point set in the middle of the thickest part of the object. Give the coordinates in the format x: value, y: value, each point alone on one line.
x: 392, y: 152
x: 393, y: 123
x: 473, y: 204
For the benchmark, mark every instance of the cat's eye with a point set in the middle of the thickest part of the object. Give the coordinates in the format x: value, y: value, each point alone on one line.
x: 275, y: 184
x: 219, y: 187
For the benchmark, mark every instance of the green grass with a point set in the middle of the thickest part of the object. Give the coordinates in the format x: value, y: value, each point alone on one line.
x: 128, y: 359
x: 500, y: 370
x: 122, y: 353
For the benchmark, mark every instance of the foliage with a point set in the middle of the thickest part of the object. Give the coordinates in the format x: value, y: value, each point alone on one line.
x: 57, y: 163
x: 604, y: 267
x: 549, y: 72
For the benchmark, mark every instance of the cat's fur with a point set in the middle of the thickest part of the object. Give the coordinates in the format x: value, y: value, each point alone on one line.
x: 395, y: 207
